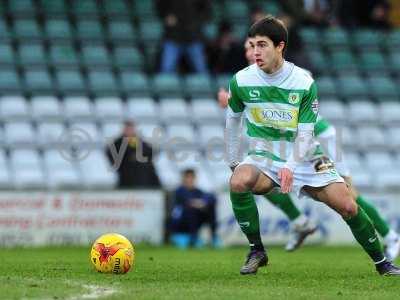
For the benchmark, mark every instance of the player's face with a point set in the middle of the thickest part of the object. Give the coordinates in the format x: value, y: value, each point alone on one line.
x: 266, y: 55
x: 249, y: 52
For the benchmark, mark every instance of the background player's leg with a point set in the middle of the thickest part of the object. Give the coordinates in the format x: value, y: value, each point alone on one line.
x: 338, y: 197
x: 285, y: 204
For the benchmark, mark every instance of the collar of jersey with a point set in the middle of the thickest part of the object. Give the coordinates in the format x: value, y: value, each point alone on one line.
x: 279, y: 76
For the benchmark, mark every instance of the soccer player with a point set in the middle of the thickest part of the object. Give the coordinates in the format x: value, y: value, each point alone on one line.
x: 280, y: 104
x: 303, y: 226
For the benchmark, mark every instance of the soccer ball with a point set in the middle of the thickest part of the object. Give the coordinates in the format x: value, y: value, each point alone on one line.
x: 112, y: 253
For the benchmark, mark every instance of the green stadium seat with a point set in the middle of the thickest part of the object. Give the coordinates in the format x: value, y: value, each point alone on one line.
x: 4, y: 31
x: 367, y: 39
x: 240, y: 31
x: 9, y: 81
x: 115, y: 8
x: 151, y: 32
x: 144, y: 9
x: 21, y: 7
x: 237, y: 10
x: 31, y: 55
x: 223, y: 81
x: 102, y: 82
x: 167, y: 85
x: 383, y: 87
x: 210, y: 31
x: 271, y: 7
x: 343, y: 60
x: 121, y: 31
x: 336, y: 38
x: 326, y: 86
x: 394, y: 62
x: 85, y: 7
x: 198, y: 85
x: 70, y: 81
x: 89, y: 30
x: 352, y: 86
x: 318, y: 60
x: 63, y: 55
x: 372, y: 61
x: 26, y: 29
x: 58, y: 29
x: 53, y: 7
x: 128, y: 57
x: 310, y: 36
x: 393, y: 40
x: 135, y: 84
x: 95, y: 56
x: 6, y: 54
x: 38, y: 81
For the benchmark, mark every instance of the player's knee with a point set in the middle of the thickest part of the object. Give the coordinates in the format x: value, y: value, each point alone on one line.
x: 241, y: 180
x: 237, y: 185
x: 350, y: 209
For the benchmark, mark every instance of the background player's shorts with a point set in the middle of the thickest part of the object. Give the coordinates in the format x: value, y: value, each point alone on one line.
x: 305, y: 174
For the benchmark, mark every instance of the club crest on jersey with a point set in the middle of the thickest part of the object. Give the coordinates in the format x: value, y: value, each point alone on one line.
x: 314, y: 106
x: 254, y: 94
x: 294, y: 98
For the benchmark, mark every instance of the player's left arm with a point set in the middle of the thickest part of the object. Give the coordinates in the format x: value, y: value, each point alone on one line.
x: 308, y: 113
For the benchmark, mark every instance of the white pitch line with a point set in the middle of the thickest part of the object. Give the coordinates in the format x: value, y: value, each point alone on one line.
x: 94, y: 292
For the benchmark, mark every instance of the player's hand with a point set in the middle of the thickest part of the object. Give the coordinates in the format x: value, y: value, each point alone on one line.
x: 285, y: 175
x: 223, y: 97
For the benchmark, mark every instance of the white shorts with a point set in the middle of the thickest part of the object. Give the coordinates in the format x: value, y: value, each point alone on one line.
x: 305, y: 174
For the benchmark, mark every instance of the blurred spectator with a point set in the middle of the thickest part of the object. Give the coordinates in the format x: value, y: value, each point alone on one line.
x: 364, y: 13
x: 308, y: 12
x: 394, y: 13
x: 191, y: 209
x: 133, y: 159
x: 183, y: 26
x: 226, y: 53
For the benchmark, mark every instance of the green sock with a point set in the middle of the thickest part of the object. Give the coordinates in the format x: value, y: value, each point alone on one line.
x: 285, y: 203
x: 365, y: 234
x: 246, y: 213
x: 379, y: 223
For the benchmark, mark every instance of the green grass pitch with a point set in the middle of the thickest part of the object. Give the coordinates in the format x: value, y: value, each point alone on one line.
x: 314, y: 272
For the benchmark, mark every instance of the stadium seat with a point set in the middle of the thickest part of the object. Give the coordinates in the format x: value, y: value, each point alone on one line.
x: 390, y: 112
x: 198, y: 85
x: 364, y: 38
x: 128, y: 57
x: 102, y: 83
x: 166, y: 170
x: 93, y: 56
x: 381, y: 87
x: 111, y: 130
x: 150, y: 31
x: 393, y: 40
x: 135, y: 84
x: 167, y: 85
x: 352, y: 86
x: 25, y: 29
x: 116, y: 8
x: 318, y: 60
x: 78, y: 108
x: 218, y: 169
x: 5, y: 178
x: 333, y: 110
x: 144, y: 9
x: 335, y: 38
x: 62, y: 173
x: 54, y: 7
x: 110, y: 108
x: 38, y: 81
x: 393, y: 137
x: 97, y: 172
x: 142, y: 109
x: 5, y: 32
x: 51, y: 134
x: 89, y: 30
x: 362, y: 179
x: 348, y: 137
x: 121, y: 32
x: 31, y: 55
x: 326, y: 86
x: 180, y: 136
x: 9, y: 81
x: 70, y: 81
x: 89, y: 135
x: 223, y: 81
x: 21, y: 8
x: 237, y: 10
x: 372, y: 62
x: 7, y: 55
x: 211, y: 135
x: 343, y: 60
x: 394, y: 62
x: 19, y: 134
x: 379, y: 160
x: 354, y: 161
x: 27, y: 169
x: 173, y: 110
x: 14, y: 108
x: 84, y: 8
x: 371, y: 137
x: 63, y: 56
x: 152, y: 133
x: 362, y: 112
x: 206, y: 110
x: 58, y: 29
x: 310, y: 36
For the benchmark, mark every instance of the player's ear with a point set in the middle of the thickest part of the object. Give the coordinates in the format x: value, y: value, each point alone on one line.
x: 281, y: 46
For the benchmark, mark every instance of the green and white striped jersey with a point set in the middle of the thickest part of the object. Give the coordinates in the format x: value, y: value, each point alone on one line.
x: 275, y: 106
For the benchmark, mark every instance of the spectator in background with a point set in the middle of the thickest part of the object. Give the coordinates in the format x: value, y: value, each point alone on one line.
x: 133, y: 159
x: 183, y: 26
x: 308, y: 12
x: 191, y: 209
x: 226, y: 53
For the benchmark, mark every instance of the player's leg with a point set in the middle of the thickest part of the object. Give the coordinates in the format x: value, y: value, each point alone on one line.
x: 338, y: 197
x: 245, y: 180
x: 301, y: 225
x: 390, y: 237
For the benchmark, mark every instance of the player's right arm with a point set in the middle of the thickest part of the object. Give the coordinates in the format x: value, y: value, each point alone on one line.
x: 233, y: 124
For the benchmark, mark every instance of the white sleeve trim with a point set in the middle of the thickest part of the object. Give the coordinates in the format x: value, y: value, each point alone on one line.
x: 232, y: 135
x: 305, y: 126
